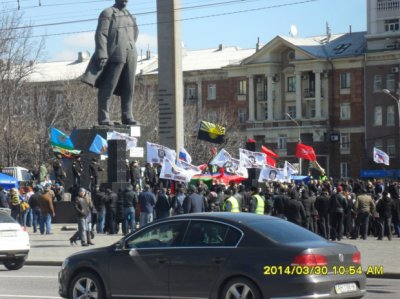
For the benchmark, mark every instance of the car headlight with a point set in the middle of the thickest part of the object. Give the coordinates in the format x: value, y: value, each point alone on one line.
x: 64, y: 264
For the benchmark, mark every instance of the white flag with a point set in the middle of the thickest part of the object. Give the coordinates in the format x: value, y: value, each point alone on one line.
x: 156, y: 153
x: 170, y: 171
x: 249, y: 159
x: 192, y: 169
x: 288, y: 171
x: 269, y: 173
x: 380, y: 156
x: 131, y: 142
x: 221, y: 158
x: 233, y: 166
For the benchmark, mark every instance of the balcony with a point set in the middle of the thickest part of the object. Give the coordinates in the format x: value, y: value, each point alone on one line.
x: 310, y: 93
x: 389, y: 5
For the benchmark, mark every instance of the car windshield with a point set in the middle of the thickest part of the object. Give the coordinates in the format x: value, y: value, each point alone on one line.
x: 284, y: 232
x: 5, y: 218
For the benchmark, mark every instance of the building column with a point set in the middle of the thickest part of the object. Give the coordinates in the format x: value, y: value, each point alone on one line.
x: 270, y: 100
x: 199, y: 98
x: 251, y: 98
x: 299, y: 113
x: 318, y: 111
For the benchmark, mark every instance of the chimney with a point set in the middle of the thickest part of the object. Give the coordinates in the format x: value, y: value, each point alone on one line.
x: 83, y: 56
x: 220, y: 47
x: 258, y: 44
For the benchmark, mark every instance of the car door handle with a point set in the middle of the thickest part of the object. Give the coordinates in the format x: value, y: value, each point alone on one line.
x: 162, y: 260
x: 218, y: 260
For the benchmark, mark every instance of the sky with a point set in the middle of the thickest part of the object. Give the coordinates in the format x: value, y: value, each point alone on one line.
x: 68, y: 25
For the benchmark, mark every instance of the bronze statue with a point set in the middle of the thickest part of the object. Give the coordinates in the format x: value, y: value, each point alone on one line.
x: 112, y: 67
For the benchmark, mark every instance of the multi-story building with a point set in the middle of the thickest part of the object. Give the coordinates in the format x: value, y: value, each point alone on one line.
x: 382, y: 89
x: 306, y: 89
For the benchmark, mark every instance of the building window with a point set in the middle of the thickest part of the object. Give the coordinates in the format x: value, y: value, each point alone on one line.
x: 345, y: 141
x: 212, y: 92
x: 242, y: 114
x: 390, y: 116
x: 212, y: 116
x: 391, y: 147
x: 378, y: 116
x: 344, y: 170
x: 378, y: 144
x: 377, y: 83
x: 261, y: 89
x: 59, y: 99
x: 390, y: 82
x: 242, y: 87
x: 191, y: 92
x: 291, y: 110
x: 291, y: 84
x: 345, y: 80
x: 282, y: 142
x: 392, y: 25
x: 345, y: 111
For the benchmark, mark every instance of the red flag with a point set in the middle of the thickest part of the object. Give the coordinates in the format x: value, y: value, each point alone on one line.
x: 271, y: 161
x: 268, y: 152
x: 305, y: 152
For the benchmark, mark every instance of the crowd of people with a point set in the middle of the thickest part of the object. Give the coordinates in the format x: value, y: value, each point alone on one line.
x: 31, y: 207
x: 334, y: 210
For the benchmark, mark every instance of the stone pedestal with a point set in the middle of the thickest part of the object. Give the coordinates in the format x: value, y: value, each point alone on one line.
x: 82, y: 139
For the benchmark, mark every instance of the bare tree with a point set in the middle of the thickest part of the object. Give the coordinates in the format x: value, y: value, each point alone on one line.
x: 18, y: 54
x: 201, y: 150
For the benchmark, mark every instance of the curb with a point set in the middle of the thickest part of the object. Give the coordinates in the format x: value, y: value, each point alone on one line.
x: 44, y: 263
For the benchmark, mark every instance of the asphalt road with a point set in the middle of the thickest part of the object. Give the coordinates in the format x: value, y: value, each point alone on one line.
x: 40, y: 282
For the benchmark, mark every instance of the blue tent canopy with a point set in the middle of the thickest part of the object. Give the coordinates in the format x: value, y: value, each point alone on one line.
x: 8, y: 182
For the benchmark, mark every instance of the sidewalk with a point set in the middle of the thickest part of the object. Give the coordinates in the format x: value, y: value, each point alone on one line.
x: 53, y: 249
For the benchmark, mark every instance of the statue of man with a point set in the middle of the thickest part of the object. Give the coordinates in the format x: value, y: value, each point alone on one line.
x: 112, y: 67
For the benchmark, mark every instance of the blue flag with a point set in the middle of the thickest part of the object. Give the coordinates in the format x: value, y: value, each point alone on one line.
x: 60, y: 139
x: 99, y: 145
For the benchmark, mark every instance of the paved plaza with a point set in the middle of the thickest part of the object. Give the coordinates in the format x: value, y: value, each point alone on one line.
x: 53, y: 249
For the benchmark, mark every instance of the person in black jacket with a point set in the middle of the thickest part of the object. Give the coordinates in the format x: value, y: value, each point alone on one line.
x: 77, y: 169
x: 150, y: 176
x: 322, y: 203
x: 99, y: 203
x: 309, y: 208
x: 336, y: 208
x: 280, y: 202
x: 3, y: 199
x: 111, y: 211
x: 294, y: 210
x: 163, y: 205
x: 194, y: 202
x: 130, y: 201
x: 394, y: 194
x: 385, y: 207
x: 34, y: 204
x: 94, y: 169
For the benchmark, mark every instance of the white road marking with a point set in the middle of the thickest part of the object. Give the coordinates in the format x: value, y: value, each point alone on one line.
x: 29, y: 296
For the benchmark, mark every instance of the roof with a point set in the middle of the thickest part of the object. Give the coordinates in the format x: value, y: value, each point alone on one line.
x: 339, y: 45
x: 208, y: 59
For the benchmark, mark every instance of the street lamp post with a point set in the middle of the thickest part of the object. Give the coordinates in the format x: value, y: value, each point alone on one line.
x: 397, y: 100
x: 299, y: 137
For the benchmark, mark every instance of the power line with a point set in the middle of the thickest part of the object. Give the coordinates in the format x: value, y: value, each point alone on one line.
x: 148, y: 24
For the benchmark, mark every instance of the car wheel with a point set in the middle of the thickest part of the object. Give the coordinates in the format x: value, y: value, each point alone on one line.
x: 14, y: 264
x: 86, y: 285
x: 240, y: 288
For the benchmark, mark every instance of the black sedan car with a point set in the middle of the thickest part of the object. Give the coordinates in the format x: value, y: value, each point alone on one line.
x: 218, y: 256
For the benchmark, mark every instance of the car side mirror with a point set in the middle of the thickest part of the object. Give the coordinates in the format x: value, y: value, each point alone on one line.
x: 120, y: 244
x: 133, y: 252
